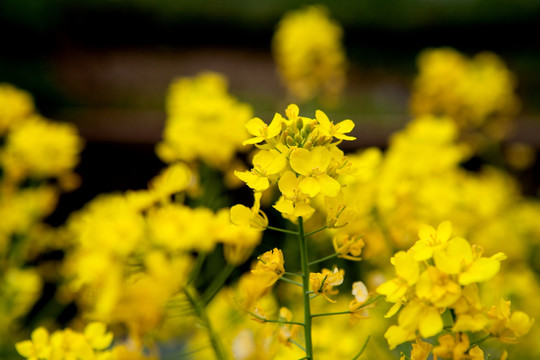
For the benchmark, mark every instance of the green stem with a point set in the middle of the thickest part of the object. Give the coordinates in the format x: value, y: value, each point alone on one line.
x: 479, y: 341
x: 370, y: 301
x: 258, y: 317
x: 197, y: 268
x: 305, y: 290
x: 203, y: 316
x: 292, y: 274
x: 330, y: 314
x: 362, y: 349
x: 282, y: 230
x: 290, y: 281
x: 297, y: 344
x: 315, y: 231
x: 324, y: 259
x: 218, y: 282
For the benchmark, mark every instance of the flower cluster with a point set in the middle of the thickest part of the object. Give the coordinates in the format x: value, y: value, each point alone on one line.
x: 310, y: 66
x: 204, y: 122
x: 476, y: 93
x: 135, y: 250
x: 300, y: 155
x: 440, y: 274
x: 93, y: 343
x: 37, y: 157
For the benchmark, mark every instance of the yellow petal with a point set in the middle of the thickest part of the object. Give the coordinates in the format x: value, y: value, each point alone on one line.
x: 444, y: 230
x: 304, y: 210
x: 323, y: 119
x: 520, y: 323
x: 98, y: 336
x: 275, y: 126
x: 430, y: 322
x: 254, y: 140
x: 422, y: 251
x: 301, y: 161
x: 396, y: 335
x: 241, y: 215
x: 287, y: 183
x: 310, y: 186
x: 329, y: 186
x: 25, y: 348
x: 254, y: 126
x: 320, y: 158
x: 481, y: 270
x: 393, y: 310
x: 292, y: 111
x: 284, y: 206
x: 427, y: 233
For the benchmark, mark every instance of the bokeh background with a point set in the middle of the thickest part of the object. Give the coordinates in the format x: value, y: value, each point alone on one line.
x: 105, y: 65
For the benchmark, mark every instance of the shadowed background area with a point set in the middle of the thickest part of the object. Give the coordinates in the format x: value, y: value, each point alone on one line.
x: 106, y: 65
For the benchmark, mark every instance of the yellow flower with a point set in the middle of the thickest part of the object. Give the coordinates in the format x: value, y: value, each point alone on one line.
x: 175, y: 178
x: 420, y: 350
x: 254, y: 217
x: 348, y: 247
x: 36, y: 348
x: 204, y: 122
x: 41, y: 148
x: 507, y: 326
x: 15, y: 106
x: 430, y: 240
x: 452, y: 347
x: 327, y: 127
x: 265, y: 164
x: 407, y: 272
x: 270, y: 266
x: 293, y: 203
x: 437, y: 287
x: 466, y: 261
x: 323, y: 283
x: 310, y: 66
x: 313, y: 166
x: 262, y: 131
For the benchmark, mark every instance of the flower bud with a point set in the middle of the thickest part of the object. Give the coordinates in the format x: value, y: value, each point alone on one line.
x: 290, y: 141
x: 299, y: 123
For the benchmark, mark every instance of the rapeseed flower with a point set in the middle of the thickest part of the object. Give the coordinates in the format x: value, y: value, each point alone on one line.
x: 310, y: 66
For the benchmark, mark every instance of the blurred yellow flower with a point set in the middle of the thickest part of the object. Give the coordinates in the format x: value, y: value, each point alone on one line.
x: 310, y: 66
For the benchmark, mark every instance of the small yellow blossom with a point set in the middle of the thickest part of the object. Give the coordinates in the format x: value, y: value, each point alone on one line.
x: 254, y: 217
x: 420, y: 350
x: 313, y: 165
x: 323, y: 283
x: 430, y: 240
x: 270, y: 266
x: 15, y: 106
x: 348, y: 247
x: 262, y: 131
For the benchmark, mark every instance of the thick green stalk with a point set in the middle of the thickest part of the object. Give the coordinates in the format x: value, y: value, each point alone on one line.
x: 305, y: 290
x: 203, y: 316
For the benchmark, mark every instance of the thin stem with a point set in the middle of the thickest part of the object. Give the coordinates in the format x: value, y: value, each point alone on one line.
x: 258, y: 317
x: 331, y: 314
x: 305, y: 292
x: 297, y: 344
x: 479, y: 341
x: 370, y: 301
x: 197, y: 268
x: 218, y: 282
x: 292, y: 274
x: 324, y: 259
x: 290, y: 281
x: 203, y: 316
x: 316, y: 231
x: 362, y: 349
x: 282, y: 230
